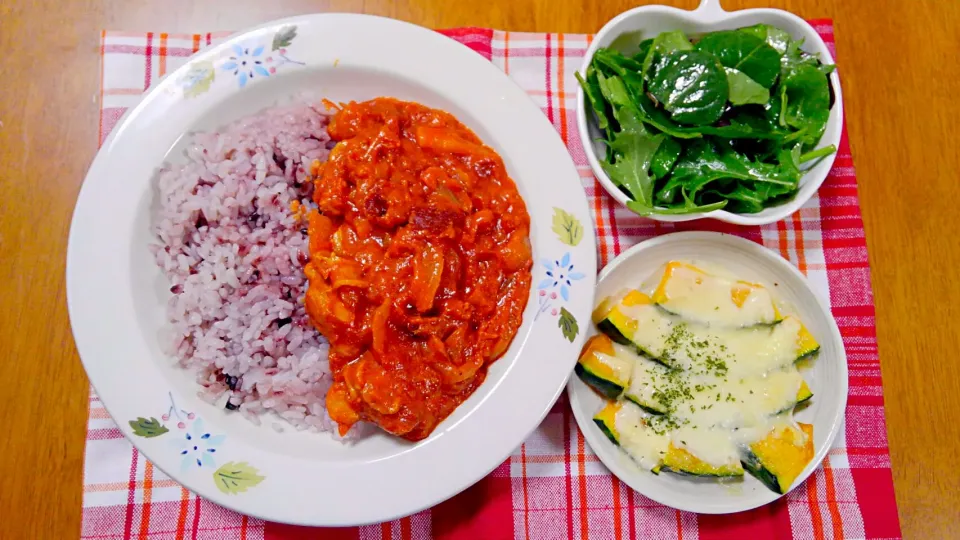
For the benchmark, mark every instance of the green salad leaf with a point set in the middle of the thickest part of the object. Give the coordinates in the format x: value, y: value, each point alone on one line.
x: 805, y: 101
x: 666, y: 155
x: 744, y: 90
x: 724, y: 121
x: 664, y: 43
x: 691, y: 85
x: 632, y: 147
x: 775, y: 37
x: 744, y: 52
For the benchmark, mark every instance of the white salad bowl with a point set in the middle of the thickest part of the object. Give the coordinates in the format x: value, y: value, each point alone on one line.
x: 626, y: 31
x: 826, y: 375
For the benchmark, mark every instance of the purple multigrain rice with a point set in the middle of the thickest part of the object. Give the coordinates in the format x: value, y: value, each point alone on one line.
x: 233, y: 252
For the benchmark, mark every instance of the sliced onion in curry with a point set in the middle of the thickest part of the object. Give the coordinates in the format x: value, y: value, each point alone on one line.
x: 420, y: 264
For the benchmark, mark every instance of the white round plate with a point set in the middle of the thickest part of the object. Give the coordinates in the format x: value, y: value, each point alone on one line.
x: 827, y: 377
x: 117, y: 296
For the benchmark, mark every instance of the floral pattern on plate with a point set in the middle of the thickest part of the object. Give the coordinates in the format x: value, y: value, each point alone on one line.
x: 255, y: 59
x: 198, y: 448
x: 560, y: 275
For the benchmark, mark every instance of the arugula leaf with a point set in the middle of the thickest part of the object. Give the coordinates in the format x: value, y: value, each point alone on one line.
x: 744, y: 90
x: 704, y: 160
x: 775, y: 37
x: 633, y: 84
x: 645, y: 210
x: 818, y: 153
x: 805, y: 103
x: 692, y: 86
x: 632, y: 147
x: 635, y: 149
x: 591, y: 89
x: 615, y: 92
x: 642, y: 50
x: 744, y: 52
x: 666, y: 155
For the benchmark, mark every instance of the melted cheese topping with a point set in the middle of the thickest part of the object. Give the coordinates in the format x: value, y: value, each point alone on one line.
x: 720, y: 378
x: 697, y: 347
x: 698, y: 296
x: 646, y: 446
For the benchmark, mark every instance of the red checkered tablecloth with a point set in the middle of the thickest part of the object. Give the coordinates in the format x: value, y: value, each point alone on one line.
x: 552, y: 486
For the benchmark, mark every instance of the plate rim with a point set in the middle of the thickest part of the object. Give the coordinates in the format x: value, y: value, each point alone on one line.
x: 576, y: 196
x: 836, y: 419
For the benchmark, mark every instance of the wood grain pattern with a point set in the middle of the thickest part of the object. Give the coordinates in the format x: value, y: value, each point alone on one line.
x: 899, y: 70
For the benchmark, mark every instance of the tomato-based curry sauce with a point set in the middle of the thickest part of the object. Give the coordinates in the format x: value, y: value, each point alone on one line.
x: 420, y: 264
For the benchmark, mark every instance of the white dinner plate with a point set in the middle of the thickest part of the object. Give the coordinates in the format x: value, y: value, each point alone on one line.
x: 827, y: 376
x: 117, y: 295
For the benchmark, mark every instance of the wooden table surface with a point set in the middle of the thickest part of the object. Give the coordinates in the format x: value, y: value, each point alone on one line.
x: 900, y: 73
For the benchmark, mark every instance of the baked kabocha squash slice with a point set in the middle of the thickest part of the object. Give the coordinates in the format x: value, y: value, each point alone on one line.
x: 636, y: 321
x: 779, y: 458
x: 699, y: 296
x: 605, y: 366
x: 681, y: 461
x: 627, y: 427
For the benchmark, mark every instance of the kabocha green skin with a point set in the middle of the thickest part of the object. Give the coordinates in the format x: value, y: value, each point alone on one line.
x: 614, y: 333
x: 752, y: 464
x: 604, y: 387
x: 646, y: 406
x: 606, y: 431
x: 724, y: 121
x: 699, y: 474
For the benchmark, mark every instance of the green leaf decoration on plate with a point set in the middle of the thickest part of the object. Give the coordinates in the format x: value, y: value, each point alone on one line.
x: 198, y: 79
x: 567, y: 227
x: 568, y: 325
x: 284, y: 37
x: 147, y: 428
x: 233, y: 477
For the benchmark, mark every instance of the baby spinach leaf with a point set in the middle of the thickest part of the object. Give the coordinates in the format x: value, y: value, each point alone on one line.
x: 664, y: 43
x: 805, y: 99
x: 775, y: 37
x: 659, y: 118
x: 691, y: 85
x: 744, y: 90
x: 745, y: 52
x: 796, y: 56
x: 666, y: 155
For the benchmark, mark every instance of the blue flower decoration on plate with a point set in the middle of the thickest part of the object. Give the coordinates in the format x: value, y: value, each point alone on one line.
x: 560, y: 275
x: 198, y: 447
x: 247, y: 63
